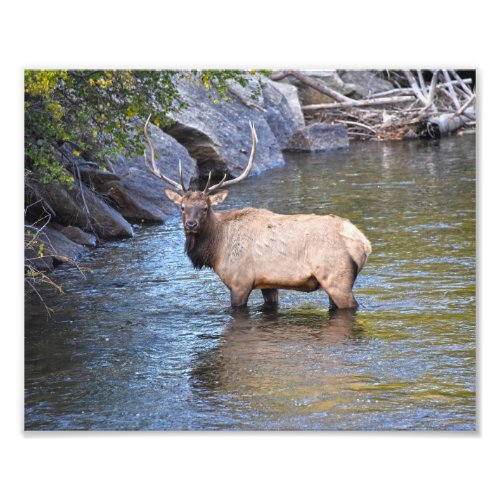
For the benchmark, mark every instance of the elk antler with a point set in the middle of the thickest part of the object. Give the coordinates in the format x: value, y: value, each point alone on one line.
x: 223, y: 182
x: 155, y: 170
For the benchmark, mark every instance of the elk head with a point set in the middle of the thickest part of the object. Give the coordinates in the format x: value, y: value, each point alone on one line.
x: 196, y: 205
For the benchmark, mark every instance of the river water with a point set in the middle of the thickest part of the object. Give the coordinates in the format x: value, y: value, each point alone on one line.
x: 144, y: 341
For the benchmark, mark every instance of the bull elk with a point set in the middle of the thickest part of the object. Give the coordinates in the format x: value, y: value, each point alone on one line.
x: 254, y: 248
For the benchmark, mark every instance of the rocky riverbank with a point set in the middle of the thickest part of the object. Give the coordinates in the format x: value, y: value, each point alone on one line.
x: 102, y: 204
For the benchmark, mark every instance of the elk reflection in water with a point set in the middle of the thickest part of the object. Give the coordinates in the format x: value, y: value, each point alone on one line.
x: 289, y: 363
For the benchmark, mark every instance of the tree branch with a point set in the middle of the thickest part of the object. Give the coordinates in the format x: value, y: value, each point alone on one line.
x: 319, y: 86
x: 362, y: 102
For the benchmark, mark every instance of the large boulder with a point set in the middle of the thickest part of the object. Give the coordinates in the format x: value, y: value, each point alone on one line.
x: 319, y: 137
x: 78, y: 205
x: 279, y: 103
x: 217, y: 136
x: 283, y: 112
x: 136, y: 193
x: 291, y: 94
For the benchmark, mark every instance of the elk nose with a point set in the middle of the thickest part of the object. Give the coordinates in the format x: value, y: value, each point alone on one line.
x: 191, y: 224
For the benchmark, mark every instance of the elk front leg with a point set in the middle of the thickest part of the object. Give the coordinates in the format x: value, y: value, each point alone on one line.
x: 270, y: 295
x: 239, y: 296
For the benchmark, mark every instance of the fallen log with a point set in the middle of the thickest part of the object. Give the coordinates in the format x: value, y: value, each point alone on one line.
x: 360, y: 103
x: 315, y: 84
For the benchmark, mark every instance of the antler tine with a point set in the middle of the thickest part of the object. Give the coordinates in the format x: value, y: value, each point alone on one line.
x: 211, y: 189
x: 180, y: 176
x: 247, y: 170
x: 205, y: 191
x: 153, y: 168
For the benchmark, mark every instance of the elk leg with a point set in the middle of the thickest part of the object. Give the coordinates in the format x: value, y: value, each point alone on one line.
x: 239, y: 297
x: 341, y: 299
x: 270, y: 295
x: 341, y: 296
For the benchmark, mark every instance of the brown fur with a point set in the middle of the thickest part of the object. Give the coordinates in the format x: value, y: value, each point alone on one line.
x: 255, y: 248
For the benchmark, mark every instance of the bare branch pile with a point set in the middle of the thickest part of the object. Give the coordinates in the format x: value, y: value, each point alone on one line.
x: 417, y: 108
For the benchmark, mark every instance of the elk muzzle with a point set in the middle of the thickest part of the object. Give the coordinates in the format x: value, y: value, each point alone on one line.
x: 191, y: 226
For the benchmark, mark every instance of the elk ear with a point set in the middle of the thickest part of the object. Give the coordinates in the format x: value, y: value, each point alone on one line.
x: 173, y: 196
x: 216, y: 199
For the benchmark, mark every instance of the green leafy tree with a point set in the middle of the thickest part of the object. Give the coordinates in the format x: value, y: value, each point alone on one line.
x: 100, y: 112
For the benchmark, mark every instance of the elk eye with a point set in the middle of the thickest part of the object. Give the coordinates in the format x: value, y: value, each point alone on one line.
x: 205, y: 209
x: 182, y: 208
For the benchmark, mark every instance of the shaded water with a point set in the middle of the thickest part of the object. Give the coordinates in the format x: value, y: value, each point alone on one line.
x: 147, y: 342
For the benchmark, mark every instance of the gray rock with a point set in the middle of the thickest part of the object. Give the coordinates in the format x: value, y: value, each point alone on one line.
x: 279, y: 104
x: 217, y: 136
x: 366, y: 83
x: 82, y: 208
x: 136, y: 193
x: 58, y: 246
x: 140, y: 197
x: 130, y: 188
x: 92, y: 176
x: 168, y: 152
x: 32, y: 257
x: 319, y: 137
x: 283, y: 112
x: 50, y: 248
x: 291, y: 94
x: 78, y: 236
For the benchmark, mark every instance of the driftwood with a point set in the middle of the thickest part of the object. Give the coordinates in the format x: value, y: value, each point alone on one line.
x: 359, y: 103
x: 432, y: 108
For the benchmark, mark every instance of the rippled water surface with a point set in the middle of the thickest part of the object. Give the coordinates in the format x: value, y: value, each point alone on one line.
x: 147, y: 342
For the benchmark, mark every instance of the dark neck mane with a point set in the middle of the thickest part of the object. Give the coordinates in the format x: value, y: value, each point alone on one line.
x: 200, y: 248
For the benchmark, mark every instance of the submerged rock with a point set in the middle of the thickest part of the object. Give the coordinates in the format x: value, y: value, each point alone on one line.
x: 78, y: 236
x: 53, y: 248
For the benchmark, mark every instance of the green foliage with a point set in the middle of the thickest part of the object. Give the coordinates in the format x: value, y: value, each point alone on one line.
x: 220, y: 80
x: 100, y: 113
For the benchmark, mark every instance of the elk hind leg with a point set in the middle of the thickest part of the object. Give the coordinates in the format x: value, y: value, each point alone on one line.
x: 342, y: 299
x: 270, y: 295
x: 339, y: 292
